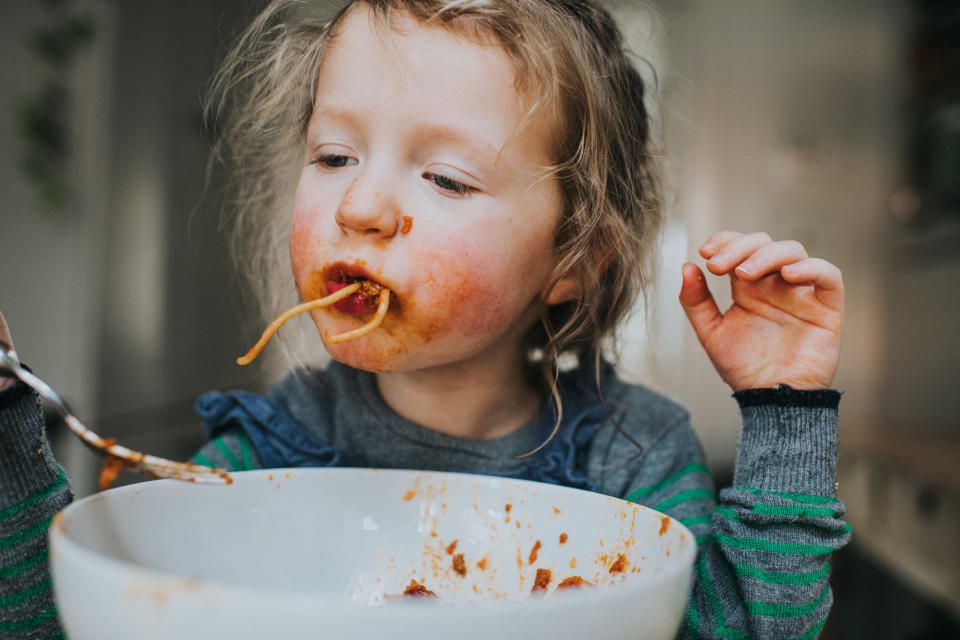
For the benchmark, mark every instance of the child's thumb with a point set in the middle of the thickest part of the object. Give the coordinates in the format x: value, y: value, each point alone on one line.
x: 698, y: 302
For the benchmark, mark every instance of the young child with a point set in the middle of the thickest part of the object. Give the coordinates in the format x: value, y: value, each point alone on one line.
x: 489, y: 162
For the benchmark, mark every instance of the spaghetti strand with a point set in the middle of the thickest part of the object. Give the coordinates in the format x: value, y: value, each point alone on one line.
x: 370, y: 326
x: 274, y: 326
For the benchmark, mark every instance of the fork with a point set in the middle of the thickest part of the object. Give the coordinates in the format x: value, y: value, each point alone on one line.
x: 117, y: 456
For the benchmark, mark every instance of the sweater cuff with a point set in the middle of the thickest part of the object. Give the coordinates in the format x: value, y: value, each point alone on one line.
x: 789, y: 440
x: 26, y: 460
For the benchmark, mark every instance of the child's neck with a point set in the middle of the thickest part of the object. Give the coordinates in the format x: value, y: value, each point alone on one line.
x: 463, y: 400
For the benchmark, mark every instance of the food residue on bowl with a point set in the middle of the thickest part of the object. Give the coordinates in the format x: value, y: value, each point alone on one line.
x: 533, y: 552
x: 574, y: 581
x: 542, y: 581
x: 619, y: 564
x: 459, y: 565
x: 413, y: 590
x: 664, y: 524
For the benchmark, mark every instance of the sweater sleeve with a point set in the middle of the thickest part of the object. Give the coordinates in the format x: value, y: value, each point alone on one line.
x: 763, y: 561
x: 33, y: 487
x: 231, y: 450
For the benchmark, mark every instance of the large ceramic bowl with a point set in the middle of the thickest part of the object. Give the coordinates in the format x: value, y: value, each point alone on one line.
x: 320, y: 553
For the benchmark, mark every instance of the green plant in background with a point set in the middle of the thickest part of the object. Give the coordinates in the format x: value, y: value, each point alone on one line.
x: 43, y: 117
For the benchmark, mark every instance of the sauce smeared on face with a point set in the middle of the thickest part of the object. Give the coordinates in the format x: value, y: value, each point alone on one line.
x: 468, y: 282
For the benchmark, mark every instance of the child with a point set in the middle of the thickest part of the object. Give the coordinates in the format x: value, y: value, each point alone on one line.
x: 489, y: 163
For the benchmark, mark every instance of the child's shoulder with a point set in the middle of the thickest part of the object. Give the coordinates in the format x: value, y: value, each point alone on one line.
x: 639, y: 411
x: 642, y: 435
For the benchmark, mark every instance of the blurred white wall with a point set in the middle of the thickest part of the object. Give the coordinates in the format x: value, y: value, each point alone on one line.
x: 781, y: 117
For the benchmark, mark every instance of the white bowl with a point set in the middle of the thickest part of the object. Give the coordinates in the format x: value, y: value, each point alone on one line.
x: 311, y: 553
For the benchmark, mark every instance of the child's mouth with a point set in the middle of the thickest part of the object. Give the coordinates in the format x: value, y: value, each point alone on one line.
x: 362, y: 301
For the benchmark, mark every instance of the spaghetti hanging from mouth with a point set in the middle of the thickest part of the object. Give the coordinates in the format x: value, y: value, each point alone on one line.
x: 273, y: 327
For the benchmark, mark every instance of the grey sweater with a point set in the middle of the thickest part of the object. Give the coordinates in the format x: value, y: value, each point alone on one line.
x: 763, y: 561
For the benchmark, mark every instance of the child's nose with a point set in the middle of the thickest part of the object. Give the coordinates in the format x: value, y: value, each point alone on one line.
x: 364, y: 209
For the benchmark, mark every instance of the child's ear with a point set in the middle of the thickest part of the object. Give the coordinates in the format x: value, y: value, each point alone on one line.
x: 567, y: 288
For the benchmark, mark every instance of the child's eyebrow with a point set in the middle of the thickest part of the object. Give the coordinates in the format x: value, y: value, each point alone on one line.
x: 455, y: 136
x: 434, y: 132
x: 328, y: 112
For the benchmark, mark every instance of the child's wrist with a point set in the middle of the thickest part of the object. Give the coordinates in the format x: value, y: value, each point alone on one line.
x: 789, y: 440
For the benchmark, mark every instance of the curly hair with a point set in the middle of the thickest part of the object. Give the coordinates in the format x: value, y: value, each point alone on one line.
x: 569, y: 59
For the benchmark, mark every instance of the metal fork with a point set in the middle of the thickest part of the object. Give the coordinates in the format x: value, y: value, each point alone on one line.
x: 128, y: 458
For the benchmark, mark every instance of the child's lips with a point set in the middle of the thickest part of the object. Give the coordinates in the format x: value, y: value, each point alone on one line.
x: 355, y: 304
x: 365, y: 300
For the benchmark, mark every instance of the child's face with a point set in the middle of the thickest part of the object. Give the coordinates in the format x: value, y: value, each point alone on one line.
x: 418, y: 178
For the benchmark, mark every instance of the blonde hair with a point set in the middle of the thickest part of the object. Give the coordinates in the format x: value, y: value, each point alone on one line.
x: 570, y: 60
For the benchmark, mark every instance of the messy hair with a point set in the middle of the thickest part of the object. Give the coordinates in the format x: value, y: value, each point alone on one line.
x: 571, y: 65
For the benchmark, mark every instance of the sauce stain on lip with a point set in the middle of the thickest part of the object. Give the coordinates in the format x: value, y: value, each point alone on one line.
x: 407, y: 225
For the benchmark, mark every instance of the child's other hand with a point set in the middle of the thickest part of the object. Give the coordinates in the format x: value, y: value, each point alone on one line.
x: 5, y: 337
x: 786, y: 319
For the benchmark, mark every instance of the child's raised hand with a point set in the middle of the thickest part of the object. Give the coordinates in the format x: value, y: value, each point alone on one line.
x: 785, y: 323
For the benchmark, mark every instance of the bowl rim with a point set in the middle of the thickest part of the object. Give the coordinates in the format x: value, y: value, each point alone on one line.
x: 61, y: 545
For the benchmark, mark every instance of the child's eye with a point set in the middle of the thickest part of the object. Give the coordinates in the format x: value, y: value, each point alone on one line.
x: 454, y: 187
x: 333, y: 160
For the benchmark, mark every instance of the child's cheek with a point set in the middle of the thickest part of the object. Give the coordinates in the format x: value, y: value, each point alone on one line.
x: 303, y: 258
x: 454, y: 311
x: 457, y: 297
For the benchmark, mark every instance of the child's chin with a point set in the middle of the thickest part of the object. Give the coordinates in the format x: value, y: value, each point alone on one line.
x: 365, y: 354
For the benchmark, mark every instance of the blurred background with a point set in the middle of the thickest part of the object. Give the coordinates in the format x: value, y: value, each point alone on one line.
x: 837, y: 124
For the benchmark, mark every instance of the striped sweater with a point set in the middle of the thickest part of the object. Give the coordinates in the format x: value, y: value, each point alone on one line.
x: 764, y: 547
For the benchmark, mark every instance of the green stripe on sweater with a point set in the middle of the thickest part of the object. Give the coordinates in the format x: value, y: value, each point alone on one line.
x: 795, y: 512
x: 722, y: 629
x: 693, y: 617
x: 231, y: 459
x: 761, y: 544
x: 245, y: 450
x: 776, y: 577
x: 35, y: 498
x: 684, y: 496
x: 786, y: 610
x: 29, y: 623
x: 732, y: 516
x: 25, y: 534
x: 693, y: 467
x: 26, y: 594
x: 204, y: 460
x: 796, y: 497
x: 23, y: 565
x: 695, y: 520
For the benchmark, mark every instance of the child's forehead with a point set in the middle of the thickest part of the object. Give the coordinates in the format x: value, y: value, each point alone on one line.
x: 361, y: 26
x: 362, y: 31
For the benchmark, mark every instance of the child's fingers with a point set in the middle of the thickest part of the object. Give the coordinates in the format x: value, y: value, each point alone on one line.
x: 698, y: 302
x: 714, y: 242
x: 825, y: 276
x: 770, y: 258
x: 734, y: 251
